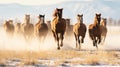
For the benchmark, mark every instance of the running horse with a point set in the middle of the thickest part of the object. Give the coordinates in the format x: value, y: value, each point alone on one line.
x: 41, y: 28
x: 58, y: 26
x: 79, y: 29
x: 94, y: 30
x: 103, y: 29
x: 27, y: 28
x: 9, y: 27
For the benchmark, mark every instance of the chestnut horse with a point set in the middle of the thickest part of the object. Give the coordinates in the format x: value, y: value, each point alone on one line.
x: 9, y: 27
x: 103, y: 29
x: 94, y: 30
x: 41, y: 28
x: 58, y: 26
x: 79, y: 29
x: 27, y: 28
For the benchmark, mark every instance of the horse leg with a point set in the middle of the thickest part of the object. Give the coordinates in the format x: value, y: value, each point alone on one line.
x: 91, y: 34
x: 75, y: 39
x: 104, y: 38
x: 58, y: 41
x: 79, y: 42
x: 96, y: 43
x: 54, y: 35
x: 93, y: 41
x: 62, y: 37
x: 99, y: 37
x: 82, y: 40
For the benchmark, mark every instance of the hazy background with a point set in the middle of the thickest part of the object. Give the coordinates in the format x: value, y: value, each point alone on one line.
x: 14, y: 9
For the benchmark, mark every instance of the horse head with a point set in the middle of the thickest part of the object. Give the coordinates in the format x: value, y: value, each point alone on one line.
x: 97, y: 19
x: 104, y: 21
x: 10, y: 21
x: 58, y: 12
x: 27, y: 18
x: 41, y: 18
x: 80, y: 18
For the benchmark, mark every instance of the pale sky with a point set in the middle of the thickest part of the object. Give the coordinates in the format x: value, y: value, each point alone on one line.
x: 36, y: 2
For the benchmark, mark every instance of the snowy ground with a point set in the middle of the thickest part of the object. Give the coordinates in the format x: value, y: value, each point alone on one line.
x: 16, y: 52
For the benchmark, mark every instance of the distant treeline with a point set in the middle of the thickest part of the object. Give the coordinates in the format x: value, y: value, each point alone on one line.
x: 113, y: 22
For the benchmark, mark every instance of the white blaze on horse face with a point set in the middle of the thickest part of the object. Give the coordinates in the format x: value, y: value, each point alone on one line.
x: 42, y: 19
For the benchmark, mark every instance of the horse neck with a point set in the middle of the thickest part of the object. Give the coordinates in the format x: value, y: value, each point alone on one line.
x: 27, y: 21
x: 96, y: 22
x: 59, y: 18
x: 79, y: 21
x: 104, y: 24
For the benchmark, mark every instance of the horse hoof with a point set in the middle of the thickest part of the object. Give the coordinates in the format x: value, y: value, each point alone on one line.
x: 82, y: 41
x: 58, y: 48
x: 99, y: 42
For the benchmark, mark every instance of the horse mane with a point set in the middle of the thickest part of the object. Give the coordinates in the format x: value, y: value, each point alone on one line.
x: 55, y: 13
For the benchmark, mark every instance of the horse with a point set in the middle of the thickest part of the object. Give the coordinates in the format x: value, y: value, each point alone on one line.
x: 9, y: 27
x: 94, y: 30
x: 27, y: 28
x: 79, y: 29
x: 69, y: 28
x: 58, y: 26
x: 41, y: 28
x: 103, y: 29
x: 18, y: 28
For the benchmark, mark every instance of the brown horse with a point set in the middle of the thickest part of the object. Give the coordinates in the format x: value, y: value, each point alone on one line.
x: 58, y: 26
x: 27, y: 28
x: 18, y: 28
x: 79, y: 29
x: 41, y: 28
x: 94, y: 30
x: 9, y: 27
x: 103, y: 29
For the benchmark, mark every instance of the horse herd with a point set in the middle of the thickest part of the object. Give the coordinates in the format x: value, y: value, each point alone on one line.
x: 58, y: 26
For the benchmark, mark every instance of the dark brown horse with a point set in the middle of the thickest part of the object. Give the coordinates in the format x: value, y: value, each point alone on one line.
x: 79, y: 29
x: 94, y: 30
x: 41, y: 28
x: 9, y: 27
x: 27, y: 28
x: 103, y: 29
x: 58, y: 26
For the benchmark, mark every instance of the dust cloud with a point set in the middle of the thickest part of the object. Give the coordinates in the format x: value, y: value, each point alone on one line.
x: 18, y: 43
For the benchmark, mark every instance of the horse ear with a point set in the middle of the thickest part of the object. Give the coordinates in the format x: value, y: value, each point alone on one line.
x: 100, y: 14
x: 39, y: 14
x: 96, y: 14
x: 82, y: 15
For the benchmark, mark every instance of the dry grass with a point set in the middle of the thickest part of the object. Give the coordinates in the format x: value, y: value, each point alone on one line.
x: 89, y: 57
